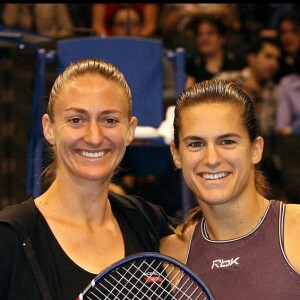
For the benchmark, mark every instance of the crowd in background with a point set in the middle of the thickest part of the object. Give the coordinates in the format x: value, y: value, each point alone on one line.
x: 257, y: 45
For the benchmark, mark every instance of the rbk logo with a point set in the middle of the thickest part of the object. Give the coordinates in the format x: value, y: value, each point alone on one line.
x: 222, y: 263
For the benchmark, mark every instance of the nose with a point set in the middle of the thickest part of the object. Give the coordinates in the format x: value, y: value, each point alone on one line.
x: 212, y: 156
x: 93, y: 133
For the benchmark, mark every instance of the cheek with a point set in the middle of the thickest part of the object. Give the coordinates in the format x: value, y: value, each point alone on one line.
x: 119, y: 137
x: 190, y: 161
x: 65, y: 138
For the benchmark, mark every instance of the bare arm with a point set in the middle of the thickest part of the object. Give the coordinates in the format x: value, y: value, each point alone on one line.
x: 151, y: 12
x: 177, y: 246
x: 65, y: 23
x: 98, y: 19
x: 17, y: 15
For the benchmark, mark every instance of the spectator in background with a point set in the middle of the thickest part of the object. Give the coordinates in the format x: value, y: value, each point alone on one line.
x: 177, y: 21
x: 212, y: 55
x: 288, y: 131
x: 257, y: 78
x: 288, y: 102
x: 102, y: 18
x: 289, y: 35
x: 127, y: 20
x: 52, y: 19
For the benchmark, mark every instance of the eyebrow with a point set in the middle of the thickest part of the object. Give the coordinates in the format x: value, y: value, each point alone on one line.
x: 224, y: 136
x: 83, y: 111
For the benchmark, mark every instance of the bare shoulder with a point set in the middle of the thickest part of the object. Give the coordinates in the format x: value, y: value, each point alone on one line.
x: 291, y: 234
x: 176, y: 245
x: 292, y: 217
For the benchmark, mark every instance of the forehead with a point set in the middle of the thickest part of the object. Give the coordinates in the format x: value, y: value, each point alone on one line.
x: 207, y: 118
x: 121, y: 14
x: 206, y: 26
x: 288, y: 26
x: 87, y: 83
x: 269, y: 47
x: 92, y: 88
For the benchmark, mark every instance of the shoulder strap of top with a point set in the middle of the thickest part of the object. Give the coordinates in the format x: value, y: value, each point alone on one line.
x: 152, y: 221
x: 281, y: 223
x: 21, y: 217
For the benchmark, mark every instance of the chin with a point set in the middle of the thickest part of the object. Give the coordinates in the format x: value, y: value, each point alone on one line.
x: 213, y: 198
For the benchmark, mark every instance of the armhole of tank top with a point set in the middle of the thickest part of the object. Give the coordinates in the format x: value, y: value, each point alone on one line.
x: 190, y: 243
x: 281, y: 231
x: 281, y: 226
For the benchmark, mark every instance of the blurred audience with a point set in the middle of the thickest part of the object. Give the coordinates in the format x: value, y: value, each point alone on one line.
x: 102, y: 14
x: 127, y: 20
x: 289, y: 36
x: 288, y: 131
x: 212, y: 55
x: 177, y: 21
x: 288, y: 103
x: 51, y: 19
x: 260, y: 19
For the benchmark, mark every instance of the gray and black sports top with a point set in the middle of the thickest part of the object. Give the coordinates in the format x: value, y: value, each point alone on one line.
x: 250, y: 267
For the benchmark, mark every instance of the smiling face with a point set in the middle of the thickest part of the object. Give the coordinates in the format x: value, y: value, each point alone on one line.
x: 215, y: 153
x: 91, y: 128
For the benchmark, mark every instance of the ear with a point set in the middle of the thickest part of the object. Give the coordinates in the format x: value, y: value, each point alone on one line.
x: 48, y: 129
x: 175, y: 155
x: 131, y: 130
x: 257, y: 150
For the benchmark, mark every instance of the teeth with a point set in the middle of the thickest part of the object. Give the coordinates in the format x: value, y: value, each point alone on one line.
x: 214, y: 176
x: 92, y: 154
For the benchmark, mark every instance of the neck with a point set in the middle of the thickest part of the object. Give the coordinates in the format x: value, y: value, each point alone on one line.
x: 74, y: 204
x: 238, y: 222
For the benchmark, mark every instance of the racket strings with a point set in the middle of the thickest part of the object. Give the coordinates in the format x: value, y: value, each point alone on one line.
x: 143, y: 279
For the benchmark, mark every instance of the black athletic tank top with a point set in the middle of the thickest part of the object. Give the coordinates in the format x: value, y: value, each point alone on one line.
x: 61, y: 272
x: 250, y: 267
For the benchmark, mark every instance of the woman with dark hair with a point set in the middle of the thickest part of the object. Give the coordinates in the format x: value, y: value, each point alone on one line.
x: 212, y: 54
x: 237, y: 240
x: 288, y: 30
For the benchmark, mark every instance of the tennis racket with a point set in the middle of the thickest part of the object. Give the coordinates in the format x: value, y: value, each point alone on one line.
x: 145, y: 276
